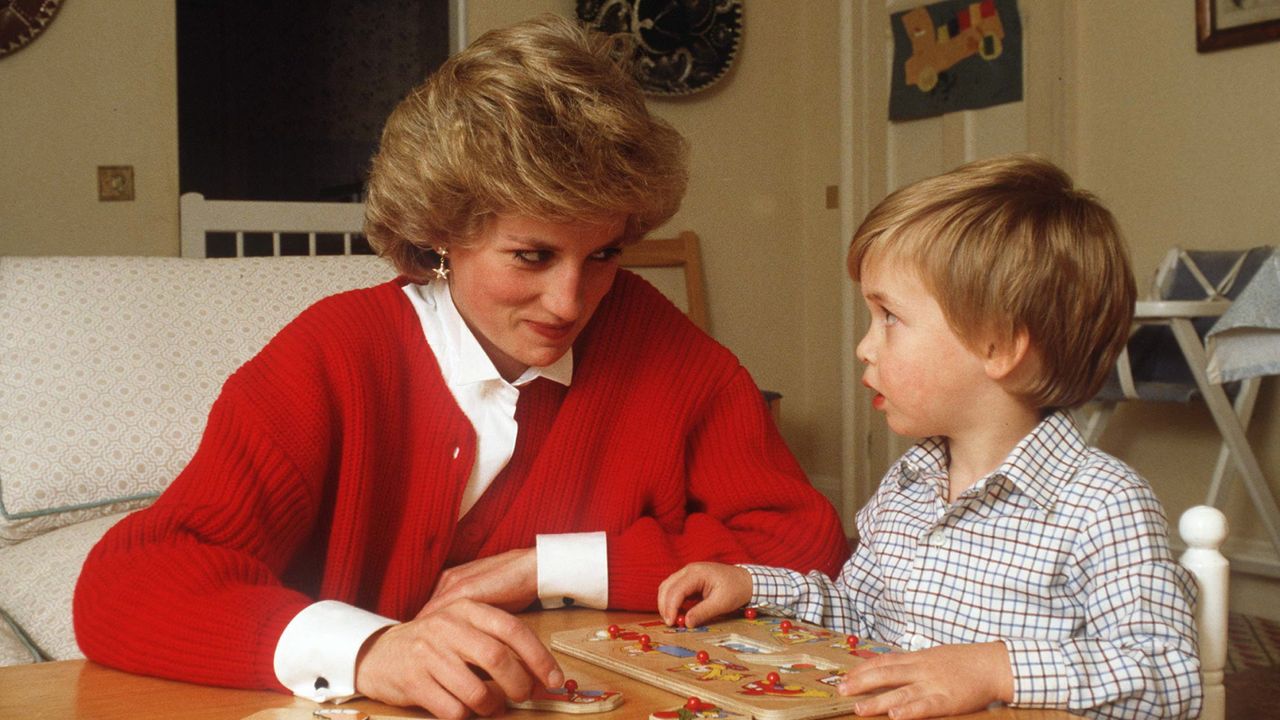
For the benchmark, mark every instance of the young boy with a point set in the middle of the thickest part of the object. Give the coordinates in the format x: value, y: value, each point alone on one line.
x: 1019, y: 564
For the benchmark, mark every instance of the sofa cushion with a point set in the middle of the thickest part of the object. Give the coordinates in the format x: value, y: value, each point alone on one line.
x: 14, y: 649
x: 37, y: 581
x: 108, y: 367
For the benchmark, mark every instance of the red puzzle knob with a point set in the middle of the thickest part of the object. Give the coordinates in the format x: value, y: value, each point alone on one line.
x: 785, y: 626
x: 693, y: 704
x: 703, y: 657
x: 852, y: 640
x: 613, y: 631
x: 680, y: 621
x: 571, y: 685
x: 750, y: 613
x: 772, y: 679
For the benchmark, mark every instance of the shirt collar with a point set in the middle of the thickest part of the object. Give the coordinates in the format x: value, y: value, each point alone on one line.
x: 1039, y: 465
x: 468, y: 363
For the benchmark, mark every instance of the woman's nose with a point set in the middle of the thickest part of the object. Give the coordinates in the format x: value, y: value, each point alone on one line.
x: 563, y: 295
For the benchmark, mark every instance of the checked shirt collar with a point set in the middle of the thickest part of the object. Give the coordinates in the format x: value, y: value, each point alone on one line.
x: 1038, y: 467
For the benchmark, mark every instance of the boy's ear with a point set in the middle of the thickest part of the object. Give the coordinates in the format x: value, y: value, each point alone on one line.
x: 1003, y: 357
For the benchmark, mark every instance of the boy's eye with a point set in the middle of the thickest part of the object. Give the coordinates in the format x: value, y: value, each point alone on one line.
x: 607, y: 254
x: 890, y: 318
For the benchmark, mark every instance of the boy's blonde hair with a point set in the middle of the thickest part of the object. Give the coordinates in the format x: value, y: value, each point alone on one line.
x: 1007, y: 245
x: 538, y: 119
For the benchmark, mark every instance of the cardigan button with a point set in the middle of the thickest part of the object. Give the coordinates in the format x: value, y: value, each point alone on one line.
x: 456, y: 450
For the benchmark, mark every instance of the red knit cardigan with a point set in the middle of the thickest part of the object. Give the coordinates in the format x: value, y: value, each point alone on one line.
x: 333, y: 464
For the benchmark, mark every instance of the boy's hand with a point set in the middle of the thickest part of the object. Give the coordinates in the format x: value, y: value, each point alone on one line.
x: 945, y: 680
x: 722, y: 587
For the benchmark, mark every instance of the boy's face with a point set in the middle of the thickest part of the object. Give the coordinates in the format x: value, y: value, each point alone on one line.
x: 926, y: 380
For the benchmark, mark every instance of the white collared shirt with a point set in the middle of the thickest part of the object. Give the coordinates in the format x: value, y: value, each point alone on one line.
x: 487, y: 400
x: 315, y: 656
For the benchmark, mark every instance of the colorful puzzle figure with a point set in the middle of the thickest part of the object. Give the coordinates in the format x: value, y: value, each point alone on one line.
x: 694, y: 709
x: 570, y: 699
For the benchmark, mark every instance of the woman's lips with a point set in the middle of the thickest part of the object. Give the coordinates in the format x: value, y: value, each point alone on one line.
x: 550, y: 331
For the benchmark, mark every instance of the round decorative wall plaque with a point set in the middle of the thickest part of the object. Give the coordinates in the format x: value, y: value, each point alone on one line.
x: 680, y: 46
x: 22, y: 21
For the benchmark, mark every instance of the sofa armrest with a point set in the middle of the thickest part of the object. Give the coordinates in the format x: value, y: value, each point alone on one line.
x: 37, y: 582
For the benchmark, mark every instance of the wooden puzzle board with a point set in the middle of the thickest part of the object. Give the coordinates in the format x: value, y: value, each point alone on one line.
x: 741, y: 653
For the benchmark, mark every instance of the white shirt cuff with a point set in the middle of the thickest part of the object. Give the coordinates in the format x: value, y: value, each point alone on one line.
x: 573, y: 569
x: 316, y: 653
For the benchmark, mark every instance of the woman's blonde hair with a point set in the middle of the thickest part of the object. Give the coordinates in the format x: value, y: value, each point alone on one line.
x: 538, y: 119
x: 1008, y: 245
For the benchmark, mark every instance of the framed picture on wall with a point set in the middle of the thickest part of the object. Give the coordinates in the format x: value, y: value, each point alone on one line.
x: 1222, y: 24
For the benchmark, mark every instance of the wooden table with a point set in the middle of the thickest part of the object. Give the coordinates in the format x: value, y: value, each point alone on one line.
x: 82, y: 690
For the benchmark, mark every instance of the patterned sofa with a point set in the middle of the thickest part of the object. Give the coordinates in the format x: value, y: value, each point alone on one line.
x: 108, y: 366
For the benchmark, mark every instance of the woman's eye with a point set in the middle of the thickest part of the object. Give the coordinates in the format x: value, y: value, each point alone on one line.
x: 607, y: 254
x: 532, y: 257
x: 890, y: 318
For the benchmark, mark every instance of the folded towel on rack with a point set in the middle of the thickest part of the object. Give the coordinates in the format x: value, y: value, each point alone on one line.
x: 1245, y: 342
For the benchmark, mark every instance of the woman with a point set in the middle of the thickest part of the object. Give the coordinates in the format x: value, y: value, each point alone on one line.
x: 513, y: 420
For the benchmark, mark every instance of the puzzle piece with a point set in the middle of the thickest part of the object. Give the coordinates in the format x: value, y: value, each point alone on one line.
x: 833, y: 679
x: 570, y: 699
x: 772, y: 685
x: 707, y: 671
x: 861, y: 648
x: 694, y: 709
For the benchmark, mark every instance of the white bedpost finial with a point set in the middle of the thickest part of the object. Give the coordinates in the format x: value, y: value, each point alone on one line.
x: 1204, y: 529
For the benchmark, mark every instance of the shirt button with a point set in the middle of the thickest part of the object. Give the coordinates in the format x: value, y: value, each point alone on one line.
x: 938, y: 538
x: 456, y: 450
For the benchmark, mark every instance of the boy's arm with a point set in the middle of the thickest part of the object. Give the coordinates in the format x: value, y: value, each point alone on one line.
x: 1137, y: 654
x: 842, y: 605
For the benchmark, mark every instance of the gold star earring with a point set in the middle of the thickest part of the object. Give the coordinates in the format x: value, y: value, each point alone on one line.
x: 442, y: 272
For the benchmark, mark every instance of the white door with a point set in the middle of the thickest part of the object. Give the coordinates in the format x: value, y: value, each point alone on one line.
x: 883, y: 156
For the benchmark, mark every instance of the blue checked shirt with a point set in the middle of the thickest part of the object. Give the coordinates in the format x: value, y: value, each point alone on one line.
x: 1061, y: 553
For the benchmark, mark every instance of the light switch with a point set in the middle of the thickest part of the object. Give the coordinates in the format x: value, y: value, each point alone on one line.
x: 115, y: 182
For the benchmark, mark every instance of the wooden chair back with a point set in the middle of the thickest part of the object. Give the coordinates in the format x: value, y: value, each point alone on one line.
x: 680, y: 252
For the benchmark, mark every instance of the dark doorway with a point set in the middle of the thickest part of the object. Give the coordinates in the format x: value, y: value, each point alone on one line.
x: 282, y: 100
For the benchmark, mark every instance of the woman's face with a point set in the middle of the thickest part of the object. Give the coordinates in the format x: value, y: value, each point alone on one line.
x: 527, y: 287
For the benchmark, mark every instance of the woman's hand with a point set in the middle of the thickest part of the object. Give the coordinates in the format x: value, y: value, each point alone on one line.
x: 508, y: 581
x: 723, y: 588
x: 438, y: 659
x: 944, y: 680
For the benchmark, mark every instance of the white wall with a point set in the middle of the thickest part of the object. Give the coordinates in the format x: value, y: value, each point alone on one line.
x: 98, y: 87
x: 765, y: 147
x: 1185, y: 148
